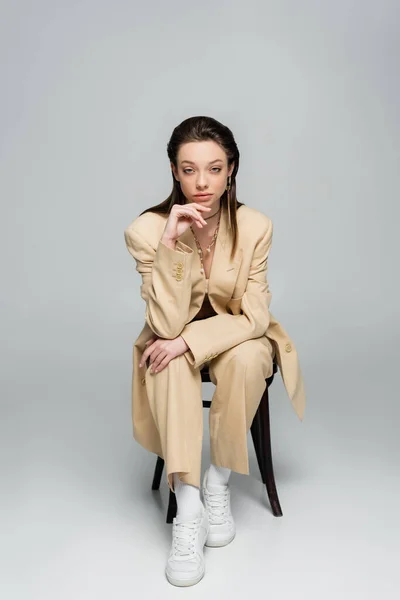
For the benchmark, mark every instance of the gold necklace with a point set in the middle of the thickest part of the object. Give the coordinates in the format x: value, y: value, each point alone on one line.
x: 210, y: 245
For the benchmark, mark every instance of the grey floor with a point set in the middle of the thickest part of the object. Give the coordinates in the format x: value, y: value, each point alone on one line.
x: 79, y: 519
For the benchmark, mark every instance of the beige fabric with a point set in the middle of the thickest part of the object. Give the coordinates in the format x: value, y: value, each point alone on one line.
x: 173, y: 289
x: 175, y: 400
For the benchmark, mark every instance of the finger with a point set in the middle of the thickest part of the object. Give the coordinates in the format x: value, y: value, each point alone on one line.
x: 142, y: 359
x: 146, y: 352
x: 194, y: 214
x: 154, y: 366
x: 197, y: 208
x: 144, y: 356
x: 157, y: 360
x: 193, y: 209
x: 163, y: 364
x: 200, y: 206
x: 196, y: 205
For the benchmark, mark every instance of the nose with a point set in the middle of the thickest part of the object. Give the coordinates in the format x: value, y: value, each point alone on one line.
x: 201, y: 183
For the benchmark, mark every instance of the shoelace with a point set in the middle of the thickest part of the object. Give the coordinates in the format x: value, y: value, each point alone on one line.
x: 184, y: 536
x: 217, y: 504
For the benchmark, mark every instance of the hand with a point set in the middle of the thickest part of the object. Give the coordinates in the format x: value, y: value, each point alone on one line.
x: 181, y: 217
x: 162, y: 351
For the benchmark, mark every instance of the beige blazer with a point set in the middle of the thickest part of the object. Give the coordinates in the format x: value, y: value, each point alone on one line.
x: 173, y: 288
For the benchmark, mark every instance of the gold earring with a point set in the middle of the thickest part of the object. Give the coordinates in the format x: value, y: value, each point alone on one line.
x: 228, y: 188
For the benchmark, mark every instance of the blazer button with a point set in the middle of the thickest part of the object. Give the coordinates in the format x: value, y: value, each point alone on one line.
x: 143, y: 380
x: 179, y: 265
x: 179, y: 277
x: 288, y: 348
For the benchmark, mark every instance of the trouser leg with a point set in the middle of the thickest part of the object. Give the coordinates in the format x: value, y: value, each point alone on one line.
x: 239, y: 375
x: 175, y: 398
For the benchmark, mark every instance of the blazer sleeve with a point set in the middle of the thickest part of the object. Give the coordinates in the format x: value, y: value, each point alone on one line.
x: 166, y: 282
x: 209, y: 337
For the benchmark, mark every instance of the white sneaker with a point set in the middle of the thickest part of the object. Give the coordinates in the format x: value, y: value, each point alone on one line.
x: 217, y: 500
x: 185, y: 565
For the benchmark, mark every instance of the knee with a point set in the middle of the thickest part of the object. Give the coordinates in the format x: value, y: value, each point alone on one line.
x: 178, y: 368
x: 248, y: 353
x: 253, y: 355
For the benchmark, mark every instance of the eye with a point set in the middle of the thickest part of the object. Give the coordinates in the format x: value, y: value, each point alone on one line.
x: 191, y: 170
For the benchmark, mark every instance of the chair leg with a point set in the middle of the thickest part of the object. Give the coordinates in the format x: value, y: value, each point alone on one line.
x: 267, y: 455
x: 172, y: 507
x: 157, y: 473
x: 256, y: 435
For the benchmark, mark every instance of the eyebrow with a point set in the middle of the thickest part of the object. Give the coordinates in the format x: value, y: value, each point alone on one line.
x: 210, y: 163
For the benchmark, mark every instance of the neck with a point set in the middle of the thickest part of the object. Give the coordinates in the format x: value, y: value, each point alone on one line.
x: 213, y: 215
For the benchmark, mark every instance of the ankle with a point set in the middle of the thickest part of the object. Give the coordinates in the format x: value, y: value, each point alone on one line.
x: 187, y: 498
x: 218, y: 475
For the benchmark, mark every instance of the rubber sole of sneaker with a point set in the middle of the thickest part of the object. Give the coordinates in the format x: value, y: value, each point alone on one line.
x: 185, y: 583
x: 210, y: 543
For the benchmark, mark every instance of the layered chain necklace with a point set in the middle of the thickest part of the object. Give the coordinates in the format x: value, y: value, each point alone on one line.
x: 210, y: 245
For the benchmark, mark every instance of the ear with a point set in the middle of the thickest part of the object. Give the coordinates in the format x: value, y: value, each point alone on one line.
x: 230, y: 171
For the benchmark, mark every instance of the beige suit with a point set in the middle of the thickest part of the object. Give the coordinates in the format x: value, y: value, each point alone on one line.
x: 238, y: 343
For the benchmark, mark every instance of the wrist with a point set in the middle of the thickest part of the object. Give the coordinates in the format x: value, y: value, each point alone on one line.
x: 184, y: 342
x: 170, y: 242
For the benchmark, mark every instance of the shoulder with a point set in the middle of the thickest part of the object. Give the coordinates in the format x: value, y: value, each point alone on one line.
x: 253, y: 221
x: 148, y: 226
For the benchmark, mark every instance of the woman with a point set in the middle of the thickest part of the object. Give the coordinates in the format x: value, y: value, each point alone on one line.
x: 203, y: 257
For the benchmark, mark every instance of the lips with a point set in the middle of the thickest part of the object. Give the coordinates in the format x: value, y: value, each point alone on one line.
x: 202, y: 195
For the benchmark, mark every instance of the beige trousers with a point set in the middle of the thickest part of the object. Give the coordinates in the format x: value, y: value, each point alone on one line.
x: 175, y: 397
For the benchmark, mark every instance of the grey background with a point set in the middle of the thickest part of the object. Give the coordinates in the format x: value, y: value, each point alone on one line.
x: 91, y: 91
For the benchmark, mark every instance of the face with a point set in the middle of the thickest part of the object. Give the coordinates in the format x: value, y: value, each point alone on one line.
x: 202, y: 168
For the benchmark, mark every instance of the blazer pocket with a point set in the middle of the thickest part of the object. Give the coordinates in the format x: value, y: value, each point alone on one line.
x: 233, y: 306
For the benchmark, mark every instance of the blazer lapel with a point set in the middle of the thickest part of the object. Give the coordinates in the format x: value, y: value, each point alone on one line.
x: 224, y: 270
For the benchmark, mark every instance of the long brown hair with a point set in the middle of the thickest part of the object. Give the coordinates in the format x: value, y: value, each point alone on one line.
x: 196, y: 129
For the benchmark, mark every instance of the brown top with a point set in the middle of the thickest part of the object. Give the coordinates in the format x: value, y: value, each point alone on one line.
x: 206, y: 310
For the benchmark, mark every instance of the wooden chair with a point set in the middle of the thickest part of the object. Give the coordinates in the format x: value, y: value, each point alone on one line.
x: 260, y: 432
